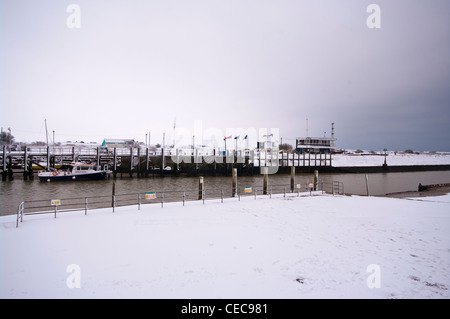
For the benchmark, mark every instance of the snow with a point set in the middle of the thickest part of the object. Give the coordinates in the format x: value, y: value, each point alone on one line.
x: 318, y: 246
x: 393, y: 159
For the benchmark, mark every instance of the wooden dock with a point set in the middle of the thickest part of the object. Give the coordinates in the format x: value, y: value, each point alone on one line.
x: 144, y: 162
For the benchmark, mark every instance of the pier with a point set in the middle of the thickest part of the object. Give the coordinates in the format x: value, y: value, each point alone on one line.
x: 146, y: 162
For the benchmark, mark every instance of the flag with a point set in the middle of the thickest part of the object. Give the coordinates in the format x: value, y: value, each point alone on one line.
x: 236, y: 137
x: 245, y: 137
x: 226, y: 137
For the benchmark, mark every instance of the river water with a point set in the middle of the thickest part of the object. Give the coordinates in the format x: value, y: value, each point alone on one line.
x: 15, y: 191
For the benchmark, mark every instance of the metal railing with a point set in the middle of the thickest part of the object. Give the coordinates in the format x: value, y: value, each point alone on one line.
x: 48, y: 206
x: 332, y: 187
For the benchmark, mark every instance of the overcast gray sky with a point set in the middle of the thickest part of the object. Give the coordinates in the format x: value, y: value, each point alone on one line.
x: 133, y: 66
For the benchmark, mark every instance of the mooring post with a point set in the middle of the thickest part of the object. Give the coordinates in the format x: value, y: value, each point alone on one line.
x: 139, y: 162
x: 367, y: 185
x: 214, y: 154
x: 25, y: 164
x: 234, y: 181
x: 98, y: 157
x: 200, y: 187
x: 115, y: 163
x: 292, y: 178
x: 265, y: 179
x: 146, y: 162
x: 162, y: 162
x: 113, y: 202
x: 4, y: 173
x: 48, y: 158
x: 316, y: 178
x: 131, y: 162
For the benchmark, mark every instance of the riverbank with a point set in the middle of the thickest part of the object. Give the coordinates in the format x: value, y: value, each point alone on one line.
x: 426, y: 191
x: 318, y: 246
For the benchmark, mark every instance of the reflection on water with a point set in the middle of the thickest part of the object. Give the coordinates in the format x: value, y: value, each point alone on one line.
x: 13, y: 192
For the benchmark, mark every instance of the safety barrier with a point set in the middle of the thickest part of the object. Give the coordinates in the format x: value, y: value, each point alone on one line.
x: 57, y: 206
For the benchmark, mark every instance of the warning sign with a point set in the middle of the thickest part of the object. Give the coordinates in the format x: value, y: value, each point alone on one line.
x: 247, y: 189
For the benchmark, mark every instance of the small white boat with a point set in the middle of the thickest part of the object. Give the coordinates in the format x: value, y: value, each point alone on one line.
x: 77, y: 172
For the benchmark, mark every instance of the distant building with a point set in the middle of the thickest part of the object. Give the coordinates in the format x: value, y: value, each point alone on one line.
x: 315, y: 145
x: 111, y: 143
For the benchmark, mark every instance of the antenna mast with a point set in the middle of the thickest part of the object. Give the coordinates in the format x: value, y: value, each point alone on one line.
x: 306, y: 126
x: 174, y: 125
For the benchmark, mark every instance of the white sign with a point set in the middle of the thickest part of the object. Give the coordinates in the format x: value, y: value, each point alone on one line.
x: 56, y: 202
x: 151, y: 195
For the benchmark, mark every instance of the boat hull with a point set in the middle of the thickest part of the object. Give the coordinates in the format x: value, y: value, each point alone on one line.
x: 74, y: 177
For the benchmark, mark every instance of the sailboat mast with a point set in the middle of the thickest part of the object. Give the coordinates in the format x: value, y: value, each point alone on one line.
x: 46, y: 131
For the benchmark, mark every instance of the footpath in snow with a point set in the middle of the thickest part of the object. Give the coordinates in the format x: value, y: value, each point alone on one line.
x: 321, y: 246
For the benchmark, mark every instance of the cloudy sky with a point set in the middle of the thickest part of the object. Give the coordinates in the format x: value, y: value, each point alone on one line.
x: 134, y: 66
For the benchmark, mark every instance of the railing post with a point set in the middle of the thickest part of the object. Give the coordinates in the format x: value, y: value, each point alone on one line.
x: 85, y: 205
x: 139, y: 201
x: 162, y: 199
x: 221, y: 195
x: 184, y: 196
x: 113, y: 202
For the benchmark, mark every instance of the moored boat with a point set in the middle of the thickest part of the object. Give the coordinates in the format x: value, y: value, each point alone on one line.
x: 77, y: 172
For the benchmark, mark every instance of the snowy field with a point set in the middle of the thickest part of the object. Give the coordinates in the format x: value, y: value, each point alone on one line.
x: 393, y: 159
x: 321, y: 246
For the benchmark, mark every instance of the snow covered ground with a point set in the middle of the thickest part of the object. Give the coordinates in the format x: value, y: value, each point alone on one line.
x: 393, y: 159
x: 321, y: 246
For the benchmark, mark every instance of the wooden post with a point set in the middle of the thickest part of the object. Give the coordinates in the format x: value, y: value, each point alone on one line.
x: 215, y: 168
x: 367, y: 185
x: 115, y: 163
x: 139, y: 162
x: 234, y: 180
x: 316, y: 178
x: 25, y: 164
x: 98, y: 157
x: 178, y: 163
x: 265, y: 179
x: 113, y: 197
x: 48, y: 158
x: 4, y: 164
x: 201, y: 188
x: 292, y: 178
x: 131, y: 162
x: 146, y: 162
x: 162, y: 162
